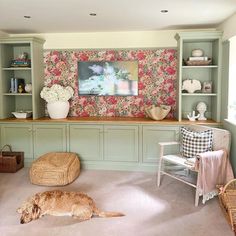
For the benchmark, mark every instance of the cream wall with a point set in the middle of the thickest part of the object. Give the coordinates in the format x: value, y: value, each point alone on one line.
x: 3, y: 34
x: 136, y: 39
x: 229, y: 27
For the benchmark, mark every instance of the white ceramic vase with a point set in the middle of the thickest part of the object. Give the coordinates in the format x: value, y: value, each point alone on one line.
x: 58, y: 109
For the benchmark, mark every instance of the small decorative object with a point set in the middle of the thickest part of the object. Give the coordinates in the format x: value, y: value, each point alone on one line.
x: 20, y: 89
x: 22, y: 114
x: 158, y: 113
x: 201, y: 108
x: 207, y: 87
x: 21, y: 61
x: 28, y: 88
x: 191, y: 85
x: 192, y: 117
x: 197, y: 53
x: 23, y: 56
x: 57, y: 98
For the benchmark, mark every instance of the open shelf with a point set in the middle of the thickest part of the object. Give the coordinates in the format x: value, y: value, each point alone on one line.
x: 16, y: 68
x: 17, y: 94
x: 14, y: 78
x: 210, y: 42
x: 200, y: 67
x: 199, y: 94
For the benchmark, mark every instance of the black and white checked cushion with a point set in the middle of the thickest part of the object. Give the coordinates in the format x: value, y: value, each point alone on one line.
x: 194, y: 142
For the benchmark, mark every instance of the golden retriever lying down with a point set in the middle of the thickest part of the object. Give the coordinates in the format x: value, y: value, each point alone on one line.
x: 60, y: 203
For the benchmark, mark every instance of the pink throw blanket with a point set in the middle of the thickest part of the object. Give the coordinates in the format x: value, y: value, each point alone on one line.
x: 213, y: 168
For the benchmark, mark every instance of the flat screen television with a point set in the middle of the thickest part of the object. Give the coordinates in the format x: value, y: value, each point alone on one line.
x: 108, y: 78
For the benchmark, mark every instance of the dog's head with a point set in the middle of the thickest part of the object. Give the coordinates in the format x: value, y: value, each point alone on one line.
x: 29, y: 212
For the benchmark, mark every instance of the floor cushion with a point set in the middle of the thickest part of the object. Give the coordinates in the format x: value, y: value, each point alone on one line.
x: 55, y: 169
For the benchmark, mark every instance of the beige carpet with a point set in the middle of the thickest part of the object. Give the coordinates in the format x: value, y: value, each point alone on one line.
x: 149, y: 211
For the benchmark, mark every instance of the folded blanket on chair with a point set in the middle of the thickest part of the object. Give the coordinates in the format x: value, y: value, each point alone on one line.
x: 213, y: 168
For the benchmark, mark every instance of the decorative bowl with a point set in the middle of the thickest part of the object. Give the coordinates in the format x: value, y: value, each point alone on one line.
x: 197, y: 53
x: 22, y: 114
x: 158, y: 113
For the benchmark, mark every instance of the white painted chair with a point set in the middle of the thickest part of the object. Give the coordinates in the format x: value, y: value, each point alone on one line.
x: 221, y: 140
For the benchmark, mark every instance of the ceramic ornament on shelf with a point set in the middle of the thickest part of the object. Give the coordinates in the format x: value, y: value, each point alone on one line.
x: 193, y: 117
x: 28, y: 88
x: 201, y: 108
x: 191, y: 85
x: 197, y: 52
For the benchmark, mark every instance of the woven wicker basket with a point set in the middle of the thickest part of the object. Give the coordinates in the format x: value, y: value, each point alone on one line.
x: 10, y: 161
x: 55, y: 169
x: 227, y: 199
x: 198, y: 63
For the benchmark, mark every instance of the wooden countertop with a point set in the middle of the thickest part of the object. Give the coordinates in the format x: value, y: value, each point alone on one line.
x: 110, y: 120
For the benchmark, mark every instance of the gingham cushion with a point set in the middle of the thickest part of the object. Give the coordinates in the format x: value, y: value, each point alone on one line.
x: 194, y: 142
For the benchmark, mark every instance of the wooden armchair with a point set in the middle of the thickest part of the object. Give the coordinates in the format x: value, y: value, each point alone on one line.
x: 221, y: 140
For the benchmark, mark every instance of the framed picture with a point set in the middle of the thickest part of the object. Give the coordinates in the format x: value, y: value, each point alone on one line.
x: 207, y: 87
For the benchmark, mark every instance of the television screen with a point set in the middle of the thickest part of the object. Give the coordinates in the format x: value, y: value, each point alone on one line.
x: 108, y: 78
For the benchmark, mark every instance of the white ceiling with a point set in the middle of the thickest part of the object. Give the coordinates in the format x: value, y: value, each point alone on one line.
x: 57, y: 16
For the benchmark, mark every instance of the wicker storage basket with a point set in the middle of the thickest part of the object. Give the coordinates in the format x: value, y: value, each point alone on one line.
x: 55, y: 169
x: 227, y: 198
x: 198, y: 63
x: 10, y: 162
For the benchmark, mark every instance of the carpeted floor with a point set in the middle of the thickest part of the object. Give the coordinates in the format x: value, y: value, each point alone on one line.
x: 149, y: 211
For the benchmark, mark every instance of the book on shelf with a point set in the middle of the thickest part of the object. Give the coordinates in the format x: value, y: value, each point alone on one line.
x: 17, y: 85
x: 198, y: 58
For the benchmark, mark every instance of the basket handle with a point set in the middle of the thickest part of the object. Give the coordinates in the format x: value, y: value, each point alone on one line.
x: 7, y: 145
x: 225, y: 187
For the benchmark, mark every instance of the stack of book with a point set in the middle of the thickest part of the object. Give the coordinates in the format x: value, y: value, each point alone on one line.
x: 17, y: 85
x: 198, y: 58
x: 21, y: 63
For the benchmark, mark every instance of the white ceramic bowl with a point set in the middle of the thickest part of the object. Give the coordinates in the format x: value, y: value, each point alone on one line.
x: 197, y: 53
x: 22, y: 114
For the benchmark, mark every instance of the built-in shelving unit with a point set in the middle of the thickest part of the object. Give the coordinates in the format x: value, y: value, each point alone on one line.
x: 211, y: 43
x: 11, y: 48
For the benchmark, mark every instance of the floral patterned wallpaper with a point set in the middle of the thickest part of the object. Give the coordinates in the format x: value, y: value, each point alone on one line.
x: 156, y: 71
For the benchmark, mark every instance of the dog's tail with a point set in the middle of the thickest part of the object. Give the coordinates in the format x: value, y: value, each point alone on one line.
x: 104, y: 214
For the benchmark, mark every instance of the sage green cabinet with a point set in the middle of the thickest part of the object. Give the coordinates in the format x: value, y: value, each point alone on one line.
x: 87, y: 141
x: 11, y: 48
x: 20, y: 137
x: 49, y: 138
x: 0, y: 136
x: 121, y: 143
x: 152, y: 135
x: 211, y: 44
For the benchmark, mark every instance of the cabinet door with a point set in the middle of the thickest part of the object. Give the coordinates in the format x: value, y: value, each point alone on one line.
x: 87, y: 141
x: 49, y: 138
x: 19, y: 136
x: 121, y: 143
x: 152, y: 135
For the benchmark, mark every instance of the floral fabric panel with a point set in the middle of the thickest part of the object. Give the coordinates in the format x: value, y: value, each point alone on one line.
x: 157, y: 72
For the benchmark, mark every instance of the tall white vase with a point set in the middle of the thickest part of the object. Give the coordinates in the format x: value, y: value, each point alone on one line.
x: 58, y: 110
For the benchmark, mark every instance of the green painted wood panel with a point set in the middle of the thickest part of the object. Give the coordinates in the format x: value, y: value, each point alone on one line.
x: 87, y: 141
x: 49, y: 138
x: 10, y: 49
x: 210, y: 42
x: 121, y: 143
x: 20, y: 137
x: 152, y: 135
